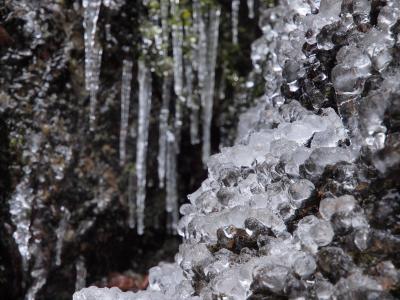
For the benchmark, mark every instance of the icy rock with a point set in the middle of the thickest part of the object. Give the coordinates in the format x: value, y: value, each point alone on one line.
x: 240, y: 234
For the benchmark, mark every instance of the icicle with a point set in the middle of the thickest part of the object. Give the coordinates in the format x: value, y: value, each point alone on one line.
x: 60, y: 233
x: 177, y: 43
x: 142, y: 142
x: 93, y: 53
x: 207, y: 95
x: 125, y: 99
x: 131, y: 199
x: 177, y: 51
x: 202, y: 43
x: 194, y: 108
x: 81, y: 272
x: 172, y: 193
x: 163, y: 128
x: 235, y: 20
x: 164, y: 6
x: 166, y: 96
x: 20, y: 210
x: 190, y: 65
x: 250, y: 7
x: 39, y: 276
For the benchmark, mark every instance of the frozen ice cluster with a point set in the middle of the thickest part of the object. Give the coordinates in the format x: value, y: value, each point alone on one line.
x: 305, y: 205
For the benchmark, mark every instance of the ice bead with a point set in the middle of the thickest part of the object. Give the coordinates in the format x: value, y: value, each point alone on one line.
x: 300, y: 191
x: 313, y: 233
x: 329, y: 206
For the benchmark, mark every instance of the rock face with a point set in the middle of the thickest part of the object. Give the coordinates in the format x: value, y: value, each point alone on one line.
x: 306, y: 204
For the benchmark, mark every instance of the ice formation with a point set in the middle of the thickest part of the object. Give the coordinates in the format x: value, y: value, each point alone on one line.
x: 93, y: 54
x: 250, y: 7
x: 145, y: 95
x: 208, y: 56
x: 125, y: 100
x: 280, y: 215
x: 235, y: 20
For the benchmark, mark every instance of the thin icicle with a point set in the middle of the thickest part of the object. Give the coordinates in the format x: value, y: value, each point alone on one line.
x: 235, y: 20
x: 60, y: 233
x: 250, y: 7
x: 163, y: 128
x: 202, y: 43
x: 145, y: 95
x: 207, y: 97
x: 177, y: 44
x: 191, y: 65
x: 39, y: 278
x: 194, y: 107
x: 81, y: 272
x: 93, y: 53
x: 125, y: 99
x: 200, y: 65
x: 20, y: 210
x: 172, y: 194
x: 164, y: 7
x: 177, y: 51
x: 166, y: 96
x: 131, y: 199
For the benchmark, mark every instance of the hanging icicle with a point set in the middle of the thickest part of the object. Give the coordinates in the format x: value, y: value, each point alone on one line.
x: 207, y: 94
x: 201, y: 43
x: 93, y: 54
x: 172, y: 194
x: 81, y: 273
x: 193, y: 106
x: 125, y: 99
x: 250, y: 7
x: 60, y: 233
x: 145, y: 95
x: 177, y: 51
x: 191, y: 65
x: 163, y: 128
x: 166, y: 96
x: 235, y: 20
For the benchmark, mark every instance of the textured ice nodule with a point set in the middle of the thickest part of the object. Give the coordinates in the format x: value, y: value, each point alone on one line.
x: 300, y: 191
x: 304, y: 265
x: 329, y: 206
x: 314, y: 233
x: 95, y: 293
x: 321, y: 157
